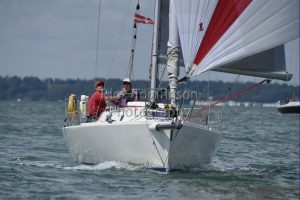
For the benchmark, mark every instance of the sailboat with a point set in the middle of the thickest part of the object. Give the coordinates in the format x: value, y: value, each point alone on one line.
x: 290, y: 107
x: 244, y: 37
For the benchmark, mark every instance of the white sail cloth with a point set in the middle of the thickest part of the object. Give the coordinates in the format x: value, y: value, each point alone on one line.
x: 216, y: 33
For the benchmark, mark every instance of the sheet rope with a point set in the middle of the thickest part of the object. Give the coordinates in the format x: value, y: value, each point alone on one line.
x: 243, y: 91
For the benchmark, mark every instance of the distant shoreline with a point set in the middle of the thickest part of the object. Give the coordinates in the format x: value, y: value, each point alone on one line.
x: 36, y: 89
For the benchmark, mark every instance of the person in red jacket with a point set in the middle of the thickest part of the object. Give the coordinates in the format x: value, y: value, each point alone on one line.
x: 97, y: 101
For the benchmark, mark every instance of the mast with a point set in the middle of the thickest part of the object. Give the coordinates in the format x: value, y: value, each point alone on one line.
x: 154, y: 51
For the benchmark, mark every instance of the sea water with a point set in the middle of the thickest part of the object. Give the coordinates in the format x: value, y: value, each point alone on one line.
x: 257, y: 158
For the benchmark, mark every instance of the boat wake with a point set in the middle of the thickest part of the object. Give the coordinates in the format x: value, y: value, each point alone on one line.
x: 42, y: 164
x: 71, y: 166
x: 106, y: 165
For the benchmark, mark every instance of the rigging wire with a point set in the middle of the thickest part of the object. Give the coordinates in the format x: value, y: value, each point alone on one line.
x: 154, y: 144
x: 243, y: 91
x: 151, y: 58
x: 118, y: 42
x: 208, y: 96
x: 226, y: 99
x: 97, y: 48
x: 130, y: 73
x: 171, y: 147
x: 229, y: 89
x: 150, y: 66
x: 161, y: 76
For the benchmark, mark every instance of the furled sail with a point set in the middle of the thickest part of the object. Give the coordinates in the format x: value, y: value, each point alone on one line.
x: 164, y: 33
x: 237, y: 36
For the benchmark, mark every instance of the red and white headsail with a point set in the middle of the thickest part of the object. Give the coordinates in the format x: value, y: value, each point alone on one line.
x: 215, y: 33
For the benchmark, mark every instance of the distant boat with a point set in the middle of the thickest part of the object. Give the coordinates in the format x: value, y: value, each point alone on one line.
x: 289, y: 107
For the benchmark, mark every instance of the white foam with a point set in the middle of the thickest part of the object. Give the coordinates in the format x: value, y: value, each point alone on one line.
x: 105, y: 165
x: 229, y: 167
x: 41, y: 163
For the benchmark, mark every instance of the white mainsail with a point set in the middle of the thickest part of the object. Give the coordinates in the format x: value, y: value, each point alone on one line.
x: 216, y: 33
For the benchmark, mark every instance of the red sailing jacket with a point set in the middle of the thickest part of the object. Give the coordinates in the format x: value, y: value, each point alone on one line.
x: 96, y: 104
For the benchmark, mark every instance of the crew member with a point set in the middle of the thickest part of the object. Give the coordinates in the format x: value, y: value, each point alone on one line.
x: 97, y: 101
x: 126, y: 95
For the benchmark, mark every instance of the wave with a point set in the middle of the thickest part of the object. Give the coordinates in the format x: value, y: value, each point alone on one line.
x: 56, y: 164
x: 106, y: 165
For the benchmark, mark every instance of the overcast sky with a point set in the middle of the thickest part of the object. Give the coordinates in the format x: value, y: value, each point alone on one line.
x: 58, y: 39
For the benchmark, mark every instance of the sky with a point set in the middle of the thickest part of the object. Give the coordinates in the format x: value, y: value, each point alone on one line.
x: 58, y: 39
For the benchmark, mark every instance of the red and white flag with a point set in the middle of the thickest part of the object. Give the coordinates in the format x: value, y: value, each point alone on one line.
x: 142, y: 19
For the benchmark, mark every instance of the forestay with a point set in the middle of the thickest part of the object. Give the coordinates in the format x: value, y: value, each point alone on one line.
x: 237, y: 36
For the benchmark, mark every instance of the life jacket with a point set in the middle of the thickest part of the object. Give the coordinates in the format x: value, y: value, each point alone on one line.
x: 128, y: 96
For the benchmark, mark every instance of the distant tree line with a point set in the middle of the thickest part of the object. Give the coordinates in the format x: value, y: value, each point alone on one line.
x: 35, y: 89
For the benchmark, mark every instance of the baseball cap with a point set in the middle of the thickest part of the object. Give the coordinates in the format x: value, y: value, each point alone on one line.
x: 126, y: 80
x: 99, y: 83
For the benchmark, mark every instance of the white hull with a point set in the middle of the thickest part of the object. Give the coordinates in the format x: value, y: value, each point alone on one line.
x: 136, y: 141
x: 291, y: 107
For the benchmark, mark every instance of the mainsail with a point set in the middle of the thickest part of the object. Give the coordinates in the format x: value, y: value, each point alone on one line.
x: 236, y: 36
